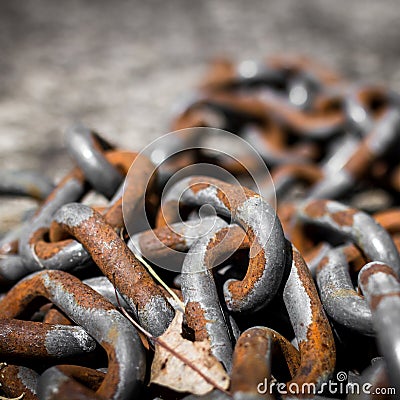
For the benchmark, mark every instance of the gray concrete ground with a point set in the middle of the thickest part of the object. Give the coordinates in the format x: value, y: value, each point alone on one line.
x: 119, y: 66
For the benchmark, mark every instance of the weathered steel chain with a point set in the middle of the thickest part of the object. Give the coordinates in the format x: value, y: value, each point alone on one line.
x: 291, y: 295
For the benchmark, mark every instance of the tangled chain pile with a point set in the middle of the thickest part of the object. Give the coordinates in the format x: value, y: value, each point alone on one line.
x: 290, y: 282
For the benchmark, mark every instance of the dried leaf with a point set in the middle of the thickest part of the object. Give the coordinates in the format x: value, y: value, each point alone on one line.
x: 167, y: 370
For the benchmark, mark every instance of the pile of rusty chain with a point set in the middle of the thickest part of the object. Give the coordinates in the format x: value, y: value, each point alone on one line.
x: 319, y: 295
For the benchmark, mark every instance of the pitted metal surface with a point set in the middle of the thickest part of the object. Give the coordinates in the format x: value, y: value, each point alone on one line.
x: 239, y: 257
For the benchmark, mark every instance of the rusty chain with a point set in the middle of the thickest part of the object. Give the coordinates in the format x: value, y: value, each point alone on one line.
x: 292, y: 294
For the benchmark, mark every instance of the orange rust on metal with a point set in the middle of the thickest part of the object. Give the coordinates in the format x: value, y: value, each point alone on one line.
x: 358, y: 164
x: 380, y: 172
x: 253, y: 354
x: 34, y: 192
x: 44, y: 249
x: 19, y: 297
x: 355, y: 257
x: 167, y: 213
x: 262, y: 110
x: 286, y: 213
x: 223, y: 73
x: 296, y: 119
x: 379, y: 268
x: 190, y: 119
x: 123, y: 160
x: 149, y: 241
x: 376, y: 299
x: 99, y: 143
x: 389, y: 219
x: 254, y: 272
x: 84, y: 299
x: 281, y: 143
x: 312, y: 250
x: 72, y: 389
x: 111, y: 254
x: 233, y: 238
x: 352, y: 253
x: 114, y: 216
x: 307, y: 172
x: 307, y: 150
x: 318, y: 351
x: 12, y: 385
x: 275, y: 139
x: 55, y: 233
x: 236, y: 167
x: 396, y: 240
x: 272, y: 134
x: 291, y: 355
x: 9, y: 248
x: 328, y: 102
x: 322, y: 264
x: 196, y: 187
x: 24, y: 339
x: 195, y: 319
x: 24, y: 292
x: 220, y: 74
x: 316, y: 209
x: 344, y: 218
x: 54, y: 316
x: 395, y: 178
x: 167, y: 294
x: 302, y: 63
x: 89, y: 377
x: 160, y: 240
x: 251, y: 361
x: 233, y: 234
x: 231, y: 196
x: 253, y: 107
x: 179, y: 161
x: 361, y: 161
x: 374, y: 98
x: 294, y: 230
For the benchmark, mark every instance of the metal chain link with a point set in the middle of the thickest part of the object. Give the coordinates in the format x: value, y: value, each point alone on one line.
x: 304, y: 292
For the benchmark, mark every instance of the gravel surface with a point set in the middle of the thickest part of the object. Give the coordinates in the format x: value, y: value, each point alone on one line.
x: 120, y: 66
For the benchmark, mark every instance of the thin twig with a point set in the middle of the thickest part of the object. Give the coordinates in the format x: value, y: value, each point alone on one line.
x: 157, y: 278
x: 163, y: 284
x: 35, y: 256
